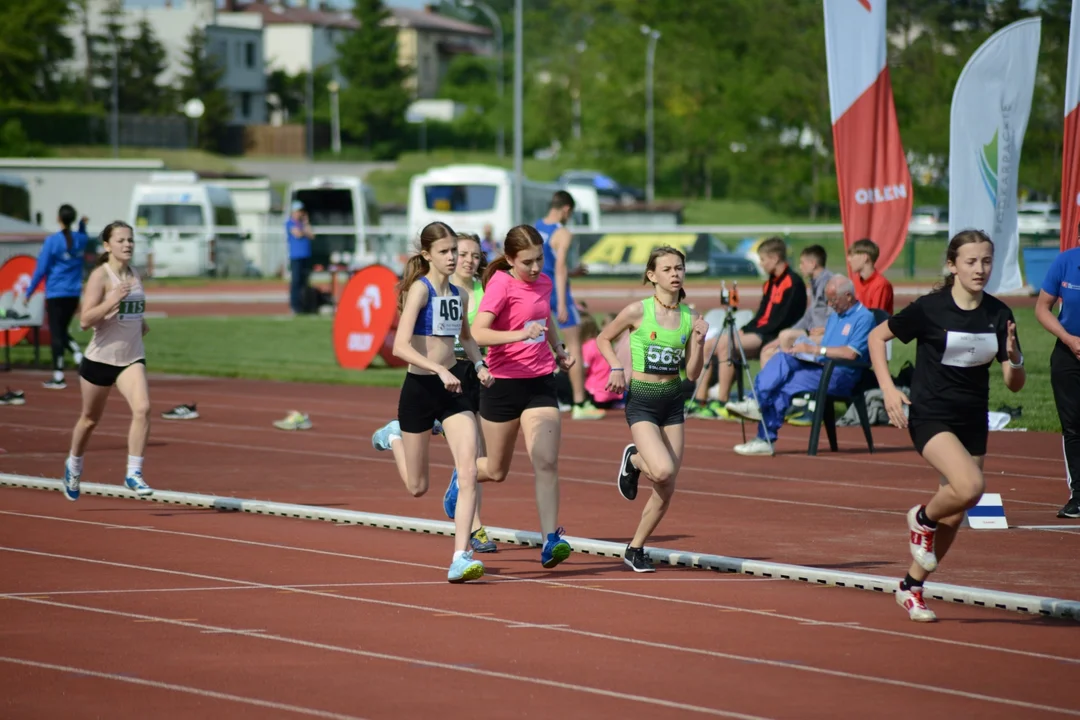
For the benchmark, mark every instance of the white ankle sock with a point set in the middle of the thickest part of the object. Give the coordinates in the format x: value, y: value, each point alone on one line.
x: 458, y: 554
x: 75, y: 464
x: 58, y: 376
x: 134, y: 465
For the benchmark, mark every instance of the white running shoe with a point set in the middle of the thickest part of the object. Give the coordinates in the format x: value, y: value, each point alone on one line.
x: 747, y: 408
x: 757, y: 446
x: 912, y: 601
x: 921, y: 542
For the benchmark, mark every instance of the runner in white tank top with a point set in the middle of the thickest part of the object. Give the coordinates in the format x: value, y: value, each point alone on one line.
x: 113, y: 304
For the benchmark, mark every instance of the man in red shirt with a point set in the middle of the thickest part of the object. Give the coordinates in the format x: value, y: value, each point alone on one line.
x: 871, y: 287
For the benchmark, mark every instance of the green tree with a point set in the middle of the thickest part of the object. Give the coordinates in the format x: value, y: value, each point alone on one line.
x: 374, y: 98
x: 31, y: 48
x: 202, y: 81
x: 147, y: 60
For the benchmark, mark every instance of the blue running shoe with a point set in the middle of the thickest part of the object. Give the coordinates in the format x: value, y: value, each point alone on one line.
x: 134, y: 481
x: 436, y: 429
x: 71, y: 484
x: 556, y: 549
x: 465, y: 568
x: 381, y: 438
x: 481, y: 543
x: 449, y: 499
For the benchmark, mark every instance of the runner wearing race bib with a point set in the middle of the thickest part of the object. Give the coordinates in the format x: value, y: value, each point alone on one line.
x: 433, y: 316
x: 665, y: 337
x: 113, y: 304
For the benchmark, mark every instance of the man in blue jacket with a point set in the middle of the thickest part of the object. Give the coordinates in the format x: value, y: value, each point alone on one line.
x: 298, y: 234
x: 60, y: 264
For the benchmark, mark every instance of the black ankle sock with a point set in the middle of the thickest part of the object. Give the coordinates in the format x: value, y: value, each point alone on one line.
x: 909, y: 582
x: 925, y: 521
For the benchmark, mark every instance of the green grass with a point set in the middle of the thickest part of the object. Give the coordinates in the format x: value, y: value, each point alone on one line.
x: 300, y: 350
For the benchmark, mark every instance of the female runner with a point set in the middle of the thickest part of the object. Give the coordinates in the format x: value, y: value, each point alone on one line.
x: 433, y: 314
x: 472, y: 373
x: 960, y: 330
x: 516, y: 323
x: 113, y: 303
x: 663, y: 331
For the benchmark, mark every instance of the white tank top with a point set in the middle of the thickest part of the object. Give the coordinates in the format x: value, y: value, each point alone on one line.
x: 118, y: 337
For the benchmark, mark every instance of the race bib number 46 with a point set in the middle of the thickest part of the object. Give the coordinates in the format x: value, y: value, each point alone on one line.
x: 663, y: 360
x: 446, y: 316
x: 131, y: 309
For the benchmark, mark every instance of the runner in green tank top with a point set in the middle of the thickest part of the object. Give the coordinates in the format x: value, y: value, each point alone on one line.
x: 667, y: 339
x: 470, y: 265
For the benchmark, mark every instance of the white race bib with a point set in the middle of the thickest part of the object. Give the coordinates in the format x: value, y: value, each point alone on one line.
x: 969, y: 349
x: 446, y: 315
x: 542, y: 337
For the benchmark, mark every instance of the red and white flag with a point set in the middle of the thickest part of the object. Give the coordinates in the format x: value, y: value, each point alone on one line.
x: 871, y: 171
x: 1070, y: 149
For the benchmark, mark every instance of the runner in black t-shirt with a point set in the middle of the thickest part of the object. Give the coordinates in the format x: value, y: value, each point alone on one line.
x: 960, y: 331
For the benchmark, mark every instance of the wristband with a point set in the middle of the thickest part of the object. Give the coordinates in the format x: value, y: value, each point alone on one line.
x: 479, y: 364
x: 1017, y: 365
x: 616, y: 369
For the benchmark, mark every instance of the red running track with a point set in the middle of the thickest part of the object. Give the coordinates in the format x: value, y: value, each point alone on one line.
x: 271, y: 617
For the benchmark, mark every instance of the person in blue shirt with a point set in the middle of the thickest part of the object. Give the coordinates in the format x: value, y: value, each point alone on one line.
x: 60, y: 264
x: 847, y: 332
x: 1062, y: 282
x: 298, y: 234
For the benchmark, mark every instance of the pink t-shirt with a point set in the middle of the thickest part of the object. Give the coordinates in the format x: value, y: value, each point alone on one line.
x: 514, y: 303
x: 597, y: 371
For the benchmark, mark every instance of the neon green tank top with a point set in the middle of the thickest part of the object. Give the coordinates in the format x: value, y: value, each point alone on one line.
x: 659, y: 350
x: 474, y: 306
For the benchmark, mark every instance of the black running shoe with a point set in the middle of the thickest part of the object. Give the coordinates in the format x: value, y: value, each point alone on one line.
x: 1071, y: 509
x: 13, y: 397
x: 628, y: 474
x: 637, y: 560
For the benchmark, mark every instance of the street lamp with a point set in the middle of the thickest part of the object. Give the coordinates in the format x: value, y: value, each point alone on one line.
x: 500, y: 142
x: 650, y: 58
x: 335, y: 119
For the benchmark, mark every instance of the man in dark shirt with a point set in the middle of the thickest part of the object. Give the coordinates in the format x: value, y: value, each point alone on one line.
x: 783, y: 302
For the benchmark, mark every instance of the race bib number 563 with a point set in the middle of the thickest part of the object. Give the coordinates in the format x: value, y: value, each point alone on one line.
x: 663, y: 360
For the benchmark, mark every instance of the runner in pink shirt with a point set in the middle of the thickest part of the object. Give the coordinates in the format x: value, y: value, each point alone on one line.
x: 515, y: 322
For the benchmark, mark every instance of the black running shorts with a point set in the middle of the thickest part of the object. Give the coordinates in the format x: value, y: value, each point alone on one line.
x: 659, y: 403
x: 424, y: 399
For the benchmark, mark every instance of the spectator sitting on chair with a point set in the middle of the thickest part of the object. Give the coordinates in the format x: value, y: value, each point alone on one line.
x: 811, y: 266
x: 299, y: 236
x: 787, y: 374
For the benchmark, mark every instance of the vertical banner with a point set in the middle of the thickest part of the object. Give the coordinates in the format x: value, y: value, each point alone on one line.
x: 872, y: 174
x: 1070, y: 152
x: 990, y: 109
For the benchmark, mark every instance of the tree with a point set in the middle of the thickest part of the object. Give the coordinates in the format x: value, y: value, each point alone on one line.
x: 202, y: 81
x: 147, y: 60
x: 374, y: 99
x: 32, y: 47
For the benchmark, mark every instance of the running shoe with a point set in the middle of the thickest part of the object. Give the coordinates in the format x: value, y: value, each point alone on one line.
x: 13, y: 397
x: 747, y: 409
x: 181, y: 412
x: 134, y: 481
x: 54, y: 384
x: 481, y: 543
x: 1071, y: 509
x: 449, y: 498
x: 912, y: 601
x: 437, y: 429
x: 587, y: 411
x: 71, y: 484
x: 381, y: 438
x: 628, y: 474
x: 295, y: 420
x: 556, y: 549
x: 757, y: 446
x: 637, y: 560
x: 921, y: 542
x: 465, y: 568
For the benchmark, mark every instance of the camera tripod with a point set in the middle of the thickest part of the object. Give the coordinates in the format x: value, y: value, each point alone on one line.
x: 734, y: 342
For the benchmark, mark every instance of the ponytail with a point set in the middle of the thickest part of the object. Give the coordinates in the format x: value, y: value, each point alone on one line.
x: 102, y: 259
x: 67, y: 216
x: 416, y: 268
x: 500, y: 263
x: 67, y: 237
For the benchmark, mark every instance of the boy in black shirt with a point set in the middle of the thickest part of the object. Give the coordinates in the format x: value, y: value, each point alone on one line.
x: 960, y: 331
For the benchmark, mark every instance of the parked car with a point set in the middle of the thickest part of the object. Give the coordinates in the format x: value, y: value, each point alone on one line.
x: 924, y: 219
x: 606, y: 187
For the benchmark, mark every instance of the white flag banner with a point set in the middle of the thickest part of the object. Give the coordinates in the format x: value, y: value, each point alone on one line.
x: 990, y: 109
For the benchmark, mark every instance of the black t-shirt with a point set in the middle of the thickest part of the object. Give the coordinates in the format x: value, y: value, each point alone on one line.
x: 954, y: 353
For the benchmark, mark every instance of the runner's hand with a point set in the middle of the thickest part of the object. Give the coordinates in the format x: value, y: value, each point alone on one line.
x: 532, y: 331
x: 118, y: 293
x: 564, y: 359
x: 616, y: 382
x: 450, y: 381
x: 485, y: 376
x: 701, y: 329
x: 562, y: 314
x: 894, y: 406
x: 1011, y: 345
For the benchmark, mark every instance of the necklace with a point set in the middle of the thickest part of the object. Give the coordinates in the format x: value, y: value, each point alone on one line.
x: 664, y: 304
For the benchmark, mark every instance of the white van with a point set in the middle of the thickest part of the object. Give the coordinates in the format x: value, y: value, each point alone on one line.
x: 186, y: 229
x: 342, y: 211
x: 470, y: 197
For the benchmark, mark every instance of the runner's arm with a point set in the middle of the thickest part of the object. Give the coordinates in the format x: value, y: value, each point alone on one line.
x: 414, y: 301
x: 627, y: 319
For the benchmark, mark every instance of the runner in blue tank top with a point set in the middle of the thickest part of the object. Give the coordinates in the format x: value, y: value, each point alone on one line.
x: 557, y: 238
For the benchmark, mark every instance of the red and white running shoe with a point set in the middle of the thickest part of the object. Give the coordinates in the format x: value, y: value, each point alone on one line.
x: 921, y: 542
x: 912, y: 601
